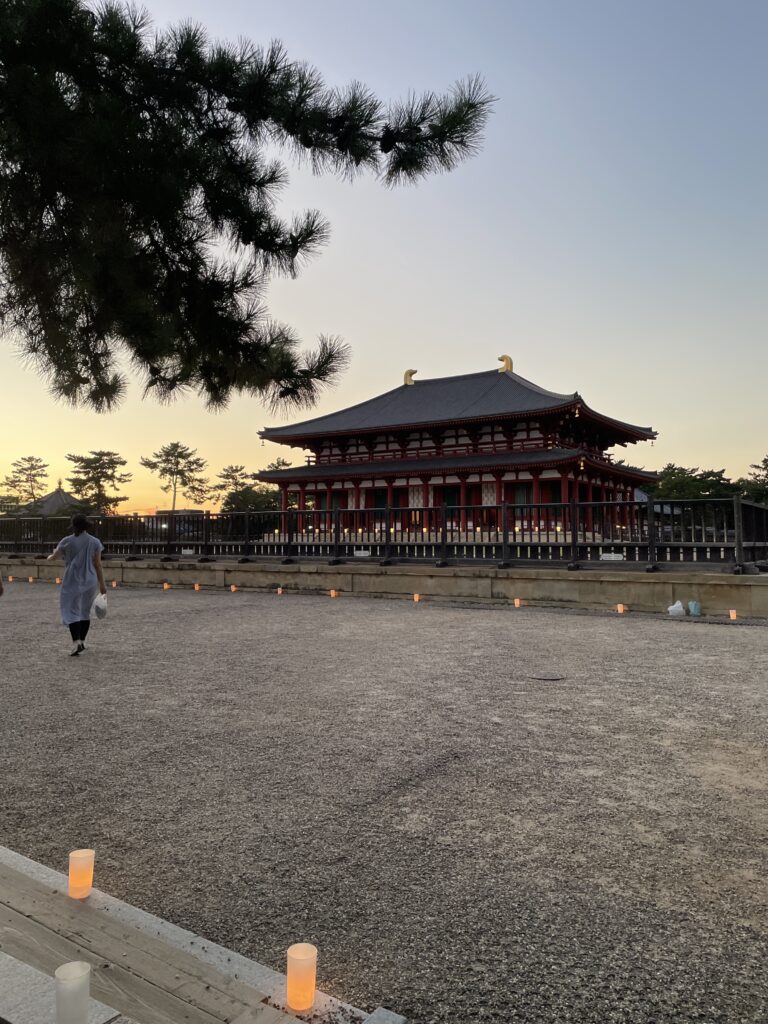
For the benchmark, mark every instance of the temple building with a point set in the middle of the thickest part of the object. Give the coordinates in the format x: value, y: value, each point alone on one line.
x: 475, y: 440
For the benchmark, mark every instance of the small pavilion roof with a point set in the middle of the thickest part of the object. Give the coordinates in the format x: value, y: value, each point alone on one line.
x: 51, y: 504
x: 465, y: 398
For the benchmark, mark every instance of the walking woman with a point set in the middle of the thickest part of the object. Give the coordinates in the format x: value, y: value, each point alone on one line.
x: 83, y: 577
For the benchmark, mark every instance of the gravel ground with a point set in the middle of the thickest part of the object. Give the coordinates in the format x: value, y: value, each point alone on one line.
x: 463, y: 839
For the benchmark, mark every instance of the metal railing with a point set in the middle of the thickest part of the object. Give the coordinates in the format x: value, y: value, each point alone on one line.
x: 650, y: 532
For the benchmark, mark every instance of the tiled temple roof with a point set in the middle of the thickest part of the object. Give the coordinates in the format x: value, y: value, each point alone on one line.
x: 446, y: 400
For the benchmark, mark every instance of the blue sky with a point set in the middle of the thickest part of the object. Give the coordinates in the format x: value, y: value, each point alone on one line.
x: 611, y: 236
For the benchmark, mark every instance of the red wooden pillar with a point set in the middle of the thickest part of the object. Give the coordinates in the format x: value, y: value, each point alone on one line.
x: 356, y: 503
x: 329, y: 506
x: 425, y: 502
x: 284, y: 497
x: 302, y: 497
x: 590, y: 510
x: 564, y: 486
x: 463, y: 503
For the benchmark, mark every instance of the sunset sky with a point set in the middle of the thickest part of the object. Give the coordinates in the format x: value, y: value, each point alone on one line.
x: 612, y: 236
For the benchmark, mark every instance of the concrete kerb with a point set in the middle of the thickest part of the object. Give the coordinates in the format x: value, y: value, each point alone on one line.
x: 327, y: 1009
x: 716, y: 593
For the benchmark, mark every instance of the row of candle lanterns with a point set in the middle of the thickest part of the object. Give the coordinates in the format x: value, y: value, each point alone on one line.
x: 621, y: 609
x: 73, y: 980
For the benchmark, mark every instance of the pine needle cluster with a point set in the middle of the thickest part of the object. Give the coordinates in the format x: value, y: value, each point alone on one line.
x: 138, y: 200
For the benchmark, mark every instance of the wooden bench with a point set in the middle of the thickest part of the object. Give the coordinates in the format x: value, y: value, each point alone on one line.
x: 144, y: 978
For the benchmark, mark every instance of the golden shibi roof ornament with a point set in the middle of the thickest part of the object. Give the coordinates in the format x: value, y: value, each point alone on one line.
x: 506, y: 364
x: 408, y: 376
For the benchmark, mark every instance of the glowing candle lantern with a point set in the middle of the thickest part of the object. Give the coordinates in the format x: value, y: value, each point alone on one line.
x: 114, y: 584
x: 333, y: 593
x: 81, y: 873
x: 732, y: 614
x: 302, y: 976
x: 279, y: 591
x: 518, y: 603
x: 620, y: 608
x: 198, y: 588
x: 73, y: 989
x: 10, y: 579
x: 58, y: 579
x: 166, y: 586
x: 416, y: 598
x: 31, y: 579
x: 233, y: 588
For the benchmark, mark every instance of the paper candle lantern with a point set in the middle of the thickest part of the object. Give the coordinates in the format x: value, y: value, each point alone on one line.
x: 279, y: 591
x: 333, y: 593
x: 732, y: 614
x: 81, y: 873
x: 58, y: 579
x: 31, y: 579
x: 114, y: 584
x: 620, y: 609
x: 302, y: 975
x: 166, y: 586
x: 232, y: 588
x: 416, y: 598
x: 518, y: 603
x: 10, y: 579
x: 198, y: 587
x: 73, y: 989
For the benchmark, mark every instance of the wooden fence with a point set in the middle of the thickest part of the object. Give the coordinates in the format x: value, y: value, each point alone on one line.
x: 650, y: 532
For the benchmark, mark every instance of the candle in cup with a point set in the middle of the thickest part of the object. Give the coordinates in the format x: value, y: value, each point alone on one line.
x: 73, y: 985
x: 197, y: 587
x: 233, y: 588
x: 301, y: 975
x: 81, y: 873
x: 333, y: 593
x: 114, y: 584
x: 31, y: 579
x: 58, y: 579
x: 732, y: 614
x: 518, y: 603
x: 620, y: 609
x: 417, y: 598
x: 166, y: 586
x: 279, y: 591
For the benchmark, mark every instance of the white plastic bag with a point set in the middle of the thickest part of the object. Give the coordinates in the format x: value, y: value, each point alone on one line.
x: 100, y: 607
x: 676, y: 609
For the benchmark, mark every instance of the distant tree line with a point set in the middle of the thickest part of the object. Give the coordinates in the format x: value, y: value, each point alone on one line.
x: 98, y: 478
x: 680, y: 482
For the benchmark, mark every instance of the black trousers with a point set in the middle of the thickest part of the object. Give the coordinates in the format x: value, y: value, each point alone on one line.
x: 79, y: 630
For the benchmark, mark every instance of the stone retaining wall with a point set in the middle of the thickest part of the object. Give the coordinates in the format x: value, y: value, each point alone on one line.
x: 649, y: 592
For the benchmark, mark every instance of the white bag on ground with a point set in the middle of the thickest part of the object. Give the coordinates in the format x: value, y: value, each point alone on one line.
x: 676, y: 608
x: 100, y: 607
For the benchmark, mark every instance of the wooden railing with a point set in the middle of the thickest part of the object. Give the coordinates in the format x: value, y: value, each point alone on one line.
x: 652, y: 532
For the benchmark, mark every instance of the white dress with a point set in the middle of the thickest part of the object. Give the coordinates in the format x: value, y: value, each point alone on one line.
x: 80, y: 584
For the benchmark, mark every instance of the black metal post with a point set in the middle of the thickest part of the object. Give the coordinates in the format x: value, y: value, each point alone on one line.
x: 287, y: 525
x: 504, y: 563
x: 652, y: 555
x: 443, y: 560
x: 335, y: 558
x: 738, y: 534
x: 206, y: 534
x: 574, y: 509
x: 387, y: 559
x: 247, y: 535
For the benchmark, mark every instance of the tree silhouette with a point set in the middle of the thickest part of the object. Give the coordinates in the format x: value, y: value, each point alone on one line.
x: 26, y: 481
x: 94, y: 474
x: 137, y: 197
x: 182, y: 470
